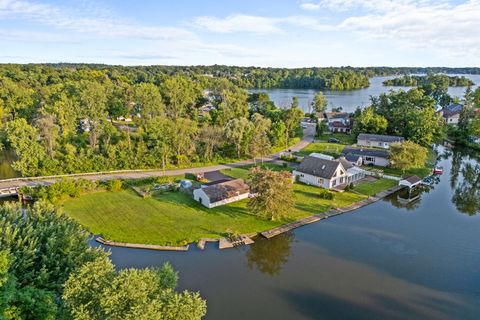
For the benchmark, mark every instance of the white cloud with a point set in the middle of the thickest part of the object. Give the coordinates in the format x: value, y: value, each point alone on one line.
x: 310, y: 6
x: 420, y: 24
x: 89, y: 19
x: 256, y: 24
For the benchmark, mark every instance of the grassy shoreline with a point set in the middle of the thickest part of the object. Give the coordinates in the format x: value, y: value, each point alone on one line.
x: 174, y: 218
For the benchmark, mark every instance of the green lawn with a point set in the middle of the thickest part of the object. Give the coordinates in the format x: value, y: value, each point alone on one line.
x: 175, y: 219
x: 343, y: 137
x: 371, y: 188
x: 333, y: 149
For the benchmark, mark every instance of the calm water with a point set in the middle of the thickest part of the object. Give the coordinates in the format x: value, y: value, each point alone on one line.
x: 6, y: 170
x: 348, y: 100
x: 393, y: 259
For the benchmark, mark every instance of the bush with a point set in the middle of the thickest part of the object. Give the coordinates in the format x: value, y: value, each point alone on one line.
x: 164, y: 180
x: 325, y: 194
x: 57, y: 191
x: 114, y: 185
x: 349, y: 187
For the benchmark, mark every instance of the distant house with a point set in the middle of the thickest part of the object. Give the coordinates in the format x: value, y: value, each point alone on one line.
x: 377, y: 157
x: 338, y: 122
x: 338, y: 126
x: 223, y: 192
x: 451, y: 113
x: 320, y: 116
x: 85, y: 125
x: 343, y: 117
x: 205, y: 109
x: 326, y: 173
x: 377, y: 140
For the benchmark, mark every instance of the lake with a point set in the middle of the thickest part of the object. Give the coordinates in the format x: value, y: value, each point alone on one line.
x: 395, y: 259
x: 349, y: 100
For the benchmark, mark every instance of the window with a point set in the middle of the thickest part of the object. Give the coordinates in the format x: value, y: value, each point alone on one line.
x: 320, y: 181
x: 371, y: 159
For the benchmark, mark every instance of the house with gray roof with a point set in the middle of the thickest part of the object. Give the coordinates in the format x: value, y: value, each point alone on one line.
x: 377, y: 157
x: 451, y: 113
x: 377, y: 140
x: 223, y: 192
x: 327, y: 173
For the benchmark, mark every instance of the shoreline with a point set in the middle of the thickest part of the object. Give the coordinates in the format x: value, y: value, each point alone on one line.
x: 246, y: 239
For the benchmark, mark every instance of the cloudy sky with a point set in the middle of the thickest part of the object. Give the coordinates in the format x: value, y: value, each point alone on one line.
x: 279, y: 33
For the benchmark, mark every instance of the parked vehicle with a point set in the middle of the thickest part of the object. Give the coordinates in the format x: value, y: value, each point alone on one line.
x: 333, y: 140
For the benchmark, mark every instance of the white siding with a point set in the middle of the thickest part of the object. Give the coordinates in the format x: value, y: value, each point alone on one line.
x: 378, y: 161
x: 376, y: 144
x: 312, y: 180
x: 200, y: 196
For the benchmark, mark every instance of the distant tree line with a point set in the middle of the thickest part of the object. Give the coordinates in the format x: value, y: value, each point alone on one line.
x: 438, y: 79
x: 64, y: 119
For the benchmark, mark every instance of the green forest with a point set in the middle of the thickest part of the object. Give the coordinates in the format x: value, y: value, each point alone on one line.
x: 437, y: 79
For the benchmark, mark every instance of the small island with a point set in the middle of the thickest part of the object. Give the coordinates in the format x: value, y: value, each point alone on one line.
x: 437, y: 79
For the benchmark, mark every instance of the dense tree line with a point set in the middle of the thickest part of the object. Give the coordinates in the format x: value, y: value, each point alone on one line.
x: 63, y: 119
x: 441, y: 80
x: 410, y: 114
x: 48, y: 271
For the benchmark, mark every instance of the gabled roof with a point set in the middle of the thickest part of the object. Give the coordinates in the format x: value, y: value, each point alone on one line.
x: 345, y: 163
x: 318, y: 167
x: 379, y: 137
x: 339, y: 124
x: 451, y: 110
x: 337, y: 115
x: 226, y: 190
x: 381, y: 153
x: 352, y: 157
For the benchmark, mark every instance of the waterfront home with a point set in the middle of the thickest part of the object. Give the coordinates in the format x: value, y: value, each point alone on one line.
x: 451, y: 113
x: 223, y: 192
x: 377, y: 140
x: 377, y: 157
x: 353, y: 159
x: 343, y: 117
x: 326, y: 173
x: 410, y: 182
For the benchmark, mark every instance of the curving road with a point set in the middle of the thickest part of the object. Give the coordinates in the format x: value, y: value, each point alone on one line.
x: 308, y: 135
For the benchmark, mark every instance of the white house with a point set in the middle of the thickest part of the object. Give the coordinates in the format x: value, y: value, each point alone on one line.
x: 451, y: 113
x: 377, y: 140
x: 377, y: 157
x: 223, y: 192
x: 326, y: 173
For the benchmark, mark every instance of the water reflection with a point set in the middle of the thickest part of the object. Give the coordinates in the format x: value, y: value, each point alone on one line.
x: 269, y: 255
x: 466, y: 196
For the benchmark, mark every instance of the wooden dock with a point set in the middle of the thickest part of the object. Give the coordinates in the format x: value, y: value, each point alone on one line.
x: 141, y: 246
x: 327, y: 214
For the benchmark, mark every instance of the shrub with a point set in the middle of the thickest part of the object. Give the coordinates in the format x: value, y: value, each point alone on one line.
x: 114, y: 185
x: 164, y: 180
x: 325, y: 194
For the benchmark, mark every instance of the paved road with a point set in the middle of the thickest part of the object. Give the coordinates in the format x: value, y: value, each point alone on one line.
x: 309, y: 133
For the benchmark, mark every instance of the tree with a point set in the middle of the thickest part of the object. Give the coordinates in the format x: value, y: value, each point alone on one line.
x: 424, y: 126
x: 406, y: 155
x: 209, y: 139
x: 291, y: 119
x: 320, y: 102
x: 180, y: 94
x: 23, y: 138
x: 97, y: 291
x: 274, y: 198
x: 260, y: 143
x: 476, y: 99
x: 474, y: 127
x: 148, y: 99
x: 370, y: 122
x: 44, y: 248
x: 238, y: 131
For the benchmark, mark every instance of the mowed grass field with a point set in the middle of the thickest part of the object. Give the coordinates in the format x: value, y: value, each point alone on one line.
x: 176, y: 219
x: 333, y: 149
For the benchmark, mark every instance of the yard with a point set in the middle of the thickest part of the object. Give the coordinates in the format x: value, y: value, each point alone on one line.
x: 174, y: 218
x: 342, y: 137
x: 370, y: 188
x: 332, y: 149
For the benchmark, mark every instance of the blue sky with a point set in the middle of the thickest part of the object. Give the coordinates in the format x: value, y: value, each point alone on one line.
x: 277, y: 33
